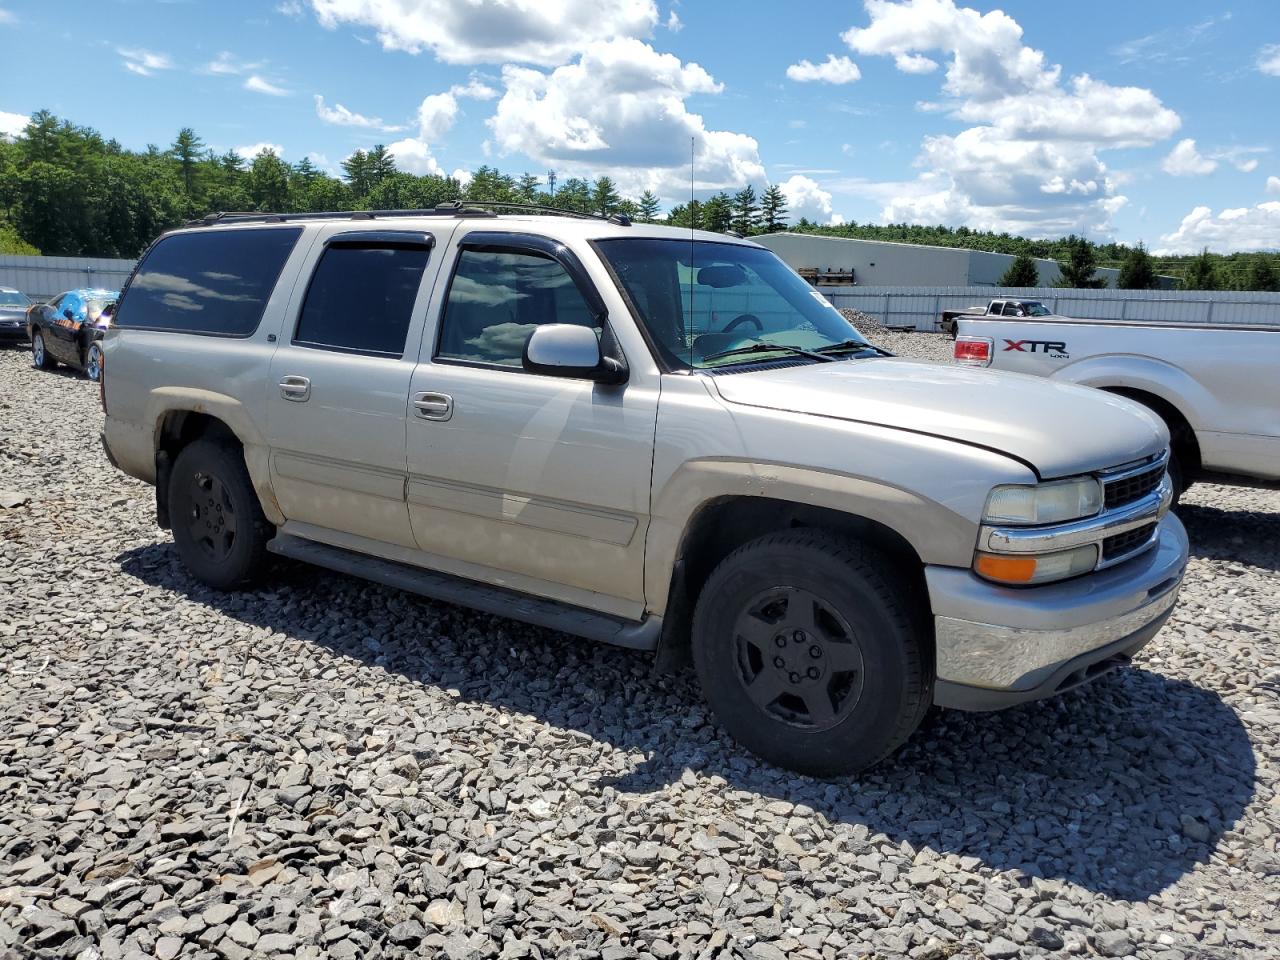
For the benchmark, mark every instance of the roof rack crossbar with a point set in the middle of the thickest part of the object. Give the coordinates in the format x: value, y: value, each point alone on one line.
x: 452, y: 208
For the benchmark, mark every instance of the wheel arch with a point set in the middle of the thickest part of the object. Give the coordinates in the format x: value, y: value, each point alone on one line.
x: 723, y: 524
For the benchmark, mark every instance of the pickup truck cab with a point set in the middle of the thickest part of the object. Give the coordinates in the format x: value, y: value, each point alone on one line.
x: 996, y: 308
x: 1213, y: 385
x: 646, y: 436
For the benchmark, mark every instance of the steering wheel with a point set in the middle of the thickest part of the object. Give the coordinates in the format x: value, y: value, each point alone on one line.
x: 741, y: 319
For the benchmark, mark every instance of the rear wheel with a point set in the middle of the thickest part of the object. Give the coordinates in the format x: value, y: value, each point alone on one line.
x: 218, y: 525
x: 806, y: 655
x: 40, y: 358
x: 93, y: 362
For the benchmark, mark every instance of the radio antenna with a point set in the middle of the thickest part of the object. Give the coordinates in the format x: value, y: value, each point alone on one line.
x: 693, y: 267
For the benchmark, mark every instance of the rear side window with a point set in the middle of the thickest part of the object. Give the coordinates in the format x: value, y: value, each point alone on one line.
x: 212, y: 282
x: 361, y: 299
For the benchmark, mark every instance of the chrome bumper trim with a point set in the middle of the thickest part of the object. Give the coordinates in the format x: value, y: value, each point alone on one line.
x: 1009, y: 658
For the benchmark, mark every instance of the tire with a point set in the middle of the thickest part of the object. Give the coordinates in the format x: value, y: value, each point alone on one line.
x: 93, y: 362
x: 1177, y: 475
x: 218, y: 525
x: 827, y: 708
x: 40, y: 358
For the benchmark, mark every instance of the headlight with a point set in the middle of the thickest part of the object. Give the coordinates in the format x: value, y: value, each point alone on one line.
x: 1044, y: 502
x: 1036, y: 568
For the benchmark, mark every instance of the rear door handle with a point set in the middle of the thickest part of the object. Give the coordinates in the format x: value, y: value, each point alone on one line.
x: 433, y: 406
x: 297, y: 389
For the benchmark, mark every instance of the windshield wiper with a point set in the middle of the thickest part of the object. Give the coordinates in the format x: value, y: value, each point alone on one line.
x: 850, y: 345
x: 768, y: 348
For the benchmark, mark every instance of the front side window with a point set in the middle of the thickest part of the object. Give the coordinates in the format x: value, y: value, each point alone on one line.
x: 211, y: 281
x: 707, y: 304
x: 496, y: 300
x: 361, y: 299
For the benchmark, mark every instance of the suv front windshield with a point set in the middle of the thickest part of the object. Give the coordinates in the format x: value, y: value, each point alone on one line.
x: 12, y: 298
x: 707, y: 304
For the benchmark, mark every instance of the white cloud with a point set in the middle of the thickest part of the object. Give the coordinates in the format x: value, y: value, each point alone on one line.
x: 1031, y: 163
x: 1269, y: 60
x: 251, y: 150
x: 290, y: 8
x: 1244, y: 159
x: 914, y: 63
x: 143, y: 62
x: 544, y: 32
x: 6, y: 16
x: 340, y: 116
x: 674, y: 23
x: 462, y: 176
x: 259, y: 84
x: 226, y: 64
x: 620, y: 110
x: 413, y: 155
x: 832, y: 70
x: 1273, y: 184
x: 1231, y: 230
x: 475, y: 88
x: 436, y: 115
x: 12, y: 124
x: 1185, y: 161
x: 805, y: 198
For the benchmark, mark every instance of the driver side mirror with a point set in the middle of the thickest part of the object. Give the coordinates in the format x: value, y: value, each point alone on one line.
x: 570, y: 350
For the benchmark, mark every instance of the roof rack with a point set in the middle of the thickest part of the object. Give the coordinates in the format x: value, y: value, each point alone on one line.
x: 452, y: 208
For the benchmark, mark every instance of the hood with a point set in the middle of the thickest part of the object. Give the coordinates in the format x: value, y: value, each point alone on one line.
x: 1058, y: 428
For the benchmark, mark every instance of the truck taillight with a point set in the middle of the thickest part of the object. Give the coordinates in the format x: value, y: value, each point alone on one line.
x: 973, y: 351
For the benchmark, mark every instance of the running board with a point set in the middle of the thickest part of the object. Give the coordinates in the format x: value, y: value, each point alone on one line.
x: 479, y: 596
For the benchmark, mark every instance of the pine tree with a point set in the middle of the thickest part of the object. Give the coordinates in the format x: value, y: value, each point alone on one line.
x: 1080, y: 267
x: 356, y: 167
x: 186, y: 150
x: 604, y: 197
x: 527, y: 188
x: 1262, y: 275
x: 647, y: 208
x: 1138, y: 272
x: 269, y: 182
x: 1201, y: 273
x: 746, y: 211
x: 1021, y: 273
x: 773, y: 210
x: 717, y: 213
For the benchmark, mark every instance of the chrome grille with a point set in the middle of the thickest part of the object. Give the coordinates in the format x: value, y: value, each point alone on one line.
x: 1129, y: 487
x: 1130, y: 541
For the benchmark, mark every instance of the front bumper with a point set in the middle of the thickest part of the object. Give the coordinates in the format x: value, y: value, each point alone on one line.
x: 999, y: 646
x: 13, y: 330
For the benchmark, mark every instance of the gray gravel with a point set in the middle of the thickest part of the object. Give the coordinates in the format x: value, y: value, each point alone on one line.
x: 328, y: 768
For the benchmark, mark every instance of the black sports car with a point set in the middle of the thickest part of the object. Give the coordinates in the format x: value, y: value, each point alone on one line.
x: 67, y: 330
x: 13, y: 314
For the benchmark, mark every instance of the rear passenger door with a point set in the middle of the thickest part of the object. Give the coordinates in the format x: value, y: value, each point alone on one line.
x: 340, y: 381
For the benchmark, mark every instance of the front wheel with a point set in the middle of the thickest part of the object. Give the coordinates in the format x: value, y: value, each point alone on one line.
x: 218, y: 525
x: 40, y: 358
x: 806, y: 655
x: 93, y: 362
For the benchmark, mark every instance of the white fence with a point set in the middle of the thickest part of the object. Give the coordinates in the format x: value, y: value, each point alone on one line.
x: 42, y: 278
x: 921, y: 307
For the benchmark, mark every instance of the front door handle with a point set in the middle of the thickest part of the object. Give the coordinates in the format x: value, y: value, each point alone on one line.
x: 297, y: 389
x: 433, y: 406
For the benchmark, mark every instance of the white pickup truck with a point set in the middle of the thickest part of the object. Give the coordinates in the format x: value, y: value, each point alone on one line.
x: 665, y: 441
x: 1216, y: 387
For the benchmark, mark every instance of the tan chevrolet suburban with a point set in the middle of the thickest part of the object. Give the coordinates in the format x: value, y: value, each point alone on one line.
x: 650, y: 437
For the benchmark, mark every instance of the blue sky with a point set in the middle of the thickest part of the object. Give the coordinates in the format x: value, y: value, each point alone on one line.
x: 1133, y: 121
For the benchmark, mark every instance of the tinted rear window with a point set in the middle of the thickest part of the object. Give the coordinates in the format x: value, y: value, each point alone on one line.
x: 215, y: 282
x: 361, y: 299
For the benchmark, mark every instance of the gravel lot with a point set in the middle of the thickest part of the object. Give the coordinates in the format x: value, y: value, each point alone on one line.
x: 326, y: 767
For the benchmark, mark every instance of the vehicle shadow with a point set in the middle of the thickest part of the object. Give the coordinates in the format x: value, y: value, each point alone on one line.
x: 1245, y: 536
x: 1122, y: 776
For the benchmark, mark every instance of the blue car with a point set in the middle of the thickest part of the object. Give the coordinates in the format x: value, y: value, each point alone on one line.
x: 67, y: 330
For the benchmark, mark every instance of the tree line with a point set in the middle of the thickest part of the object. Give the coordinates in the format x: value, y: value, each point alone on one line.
x: 65, y: 190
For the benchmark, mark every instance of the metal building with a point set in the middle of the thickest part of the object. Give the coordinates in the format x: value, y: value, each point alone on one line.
x: 880, y: 263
